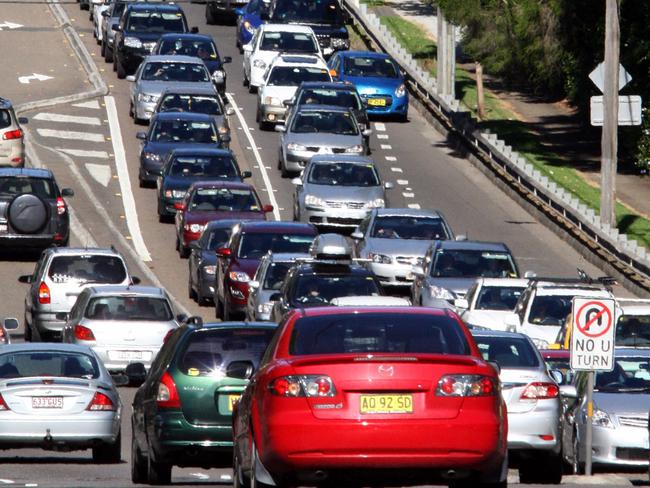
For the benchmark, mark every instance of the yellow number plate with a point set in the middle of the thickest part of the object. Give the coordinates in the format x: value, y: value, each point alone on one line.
x: 232, y: 399
x: 377, y: 102
x: 386, y: 404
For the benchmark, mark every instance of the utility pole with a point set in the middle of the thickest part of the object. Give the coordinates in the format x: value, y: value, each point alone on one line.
x: 609, y: 140
x: 446, y: 56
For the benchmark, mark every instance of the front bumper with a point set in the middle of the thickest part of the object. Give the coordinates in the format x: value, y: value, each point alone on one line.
x: 117, y: 357
x: 333, y: 217
x: 393, y: 274
x: 272, y: 114
x: 622, y: 446
x: 144, y: 110
x: 525, y: 430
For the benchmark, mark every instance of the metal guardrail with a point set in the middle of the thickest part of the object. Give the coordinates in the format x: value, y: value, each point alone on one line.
x: 624, y: 255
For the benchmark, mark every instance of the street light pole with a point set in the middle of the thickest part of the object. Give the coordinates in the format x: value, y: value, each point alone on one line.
x: 609, y: 139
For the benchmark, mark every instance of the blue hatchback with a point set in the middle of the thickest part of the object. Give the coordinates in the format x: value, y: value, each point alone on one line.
x: 249, y: 18
x: 378, y: 79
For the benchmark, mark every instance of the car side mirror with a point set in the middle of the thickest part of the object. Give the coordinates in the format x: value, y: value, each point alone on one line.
x: 224, y: 138
x: 246, y: 174
x: 568, y: 391
x: 23, y: 120
x: 10, y: 323
x: 280, y: 128
x: 223, y: 252
x: 194, y: 30
x: 116, y: 28
x: 62, y: 316
x: 296, y: 181
x: 230, y: 111
x: 136, y: 372
x: 130, y: 78
x: 557, y: 376
x: 67, y: 192
x: 357, y: 235
x: 288, y: 103
x: 25, y: 279
x: 267, y: 208
x: 242, y: 370
x: 275, y: 297
x: 141, y: 135
x: 366, y: 132
x: 252, y: 284
x: 417, y: 271
x: 389, y: 185
x: 511, y: 321
x: 135, y: 280
x: 226, y: 60
x: 461, y: 303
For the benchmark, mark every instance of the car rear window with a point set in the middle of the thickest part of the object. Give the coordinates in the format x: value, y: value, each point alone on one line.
x: 48, y: 363
x: 633, y: 331
x: 255, y: 245
x: 5, y: 118
x: 508, y: 352
x: 129, y: 308
x: 11, y: 185
x: 208, y: 352
x: 378, y: 333
x: 87, y: 268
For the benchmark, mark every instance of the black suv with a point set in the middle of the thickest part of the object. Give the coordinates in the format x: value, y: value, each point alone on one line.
x: 32, y: 210
x: 140, y: 27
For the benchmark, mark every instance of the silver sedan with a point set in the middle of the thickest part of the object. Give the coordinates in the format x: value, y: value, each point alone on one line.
x: 159, y: 73
x: 58, y: 396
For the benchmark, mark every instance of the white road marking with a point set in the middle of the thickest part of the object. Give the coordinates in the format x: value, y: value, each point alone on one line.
x: 10, y: 25
x: 33, y: 77
x: 402, y: 182
x: 396, y: 170
x: 226, y: 477
x: 67, y: 119
x: 100, y: 173
x: 415, y: 206
x: 391, y: 158
x: 71, y: 134
x: 201, y: 476
x: 92, y: 104
x: 84, y: 154
x: 380, y: 126
x: 85, y: 237
x: 386, y: 146
x: 6, y: 482
x: 408, y: 195
x: 258, y: 157
x: 382, y: 136
x: 125, y: 182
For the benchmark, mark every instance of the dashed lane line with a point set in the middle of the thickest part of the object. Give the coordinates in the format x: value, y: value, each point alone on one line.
x: 386, y: 146
x: 395, y: 169
x: 391, y: 158
x: 380, y: 126
x: 382, y: 136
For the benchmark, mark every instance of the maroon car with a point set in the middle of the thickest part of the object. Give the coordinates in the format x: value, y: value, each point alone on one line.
x: 239, y: 258
x: 214, y: 200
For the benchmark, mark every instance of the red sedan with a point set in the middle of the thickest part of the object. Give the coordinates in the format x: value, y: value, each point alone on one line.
x: 397, y: 391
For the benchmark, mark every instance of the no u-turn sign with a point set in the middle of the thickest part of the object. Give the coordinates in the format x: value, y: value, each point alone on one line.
x: 592, y: 336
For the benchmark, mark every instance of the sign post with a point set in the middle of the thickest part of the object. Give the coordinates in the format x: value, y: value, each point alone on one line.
x: 592, y: 349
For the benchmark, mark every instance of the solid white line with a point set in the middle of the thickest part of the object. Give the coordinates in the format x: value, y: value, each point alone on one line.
x: 71, y: 134
x: 391, y: 158
x: 380, y: 126
x: 67, y: 119
x: 125, y: 182
x: 382, y: 136
x: 84, y: 154
x: 258, y: 158
x: 92, y: 104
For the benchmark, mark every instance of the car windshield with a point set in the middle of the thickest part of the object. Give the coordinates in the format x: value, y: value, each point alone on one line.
x: 550, y: 310
x: 129, y: 308
x: 294, y: 75
x: 310, y: 121
x: 26, y: 364
x: 198, y: 166
x: 314, y: 290
x: 209, y: 352
x: 498, y: 297
x: 155, y: 22
x: 508, y: 352
x: 255, y: 245
x: 164, y: 71
x: 189, y: 131
x: 371, y: 67
x: 205, y: 50
x: 630, y: 375
x: 215, y: 238
x: 460, y: 263
x: 633, y: 331
x: 203, y: 104
x: 405, y: 227
x: 275, y: 274
x: 308, y: 12
x: 322, y: 96
x: 12, y: 185
x: 294, y: 42
x: 224, y: 200
x: 366, y: 333
x: 87, y: 269
x: 336, y: 174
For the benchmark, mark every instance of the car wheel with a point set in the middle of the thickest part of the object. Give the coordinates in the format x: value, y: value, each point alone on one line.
x: 114, y: 62
x: 102, y: 49
x: 119, y: 67
x: 284, y: 172
x: 159, y: 473
x: 138, y: 464
x: 226, y: 310
x: 183, y: 252
x: 109, y: 453
x: 239, y: 479
x: 547, y: 469
x: 244, y: 80
x: 28, y: 331
x: 108, y: 54
x: 251, y: 88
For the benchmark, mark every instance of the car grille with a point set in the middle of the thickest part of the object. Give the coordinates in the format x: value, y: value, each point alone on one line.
x: 408, y: 260
x: 636, y: 421
x: 324, y: 40
x: 343, y: 221
x: 334, y: 150
x: 632, y: 453
x: 149, y: 45
x: 352, y: 205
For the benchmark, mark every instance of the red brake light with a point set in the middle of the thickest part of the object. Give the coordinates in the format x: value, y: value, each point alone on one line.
x: 303, y: 386
x: 83, y: 333
x: 167, y: 396
x: 43, y: 293
x: 12, y: 134
x: 540, y: 391
x: 179, y: 206
x: 60, y: 206
x: 168, y: 335
x: 3, y: 405
x: 466, y: 385
x: 101, y: 402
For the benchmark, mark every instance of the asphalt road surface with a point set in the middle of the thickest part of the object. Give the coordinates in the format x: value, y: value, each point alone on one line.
x: 82, y: 142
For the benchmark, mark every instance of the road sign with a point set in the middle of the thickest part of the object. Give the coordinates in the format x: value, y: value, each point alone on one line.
x: 598, y: 77
x: 592, y: 336
x: 629, y: 110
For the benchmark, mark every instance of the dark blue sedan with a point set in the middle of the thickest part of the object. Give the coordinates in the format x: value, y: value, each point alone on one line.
x: 249, y: 18
x: 378, y: 79
x: 172, y: 130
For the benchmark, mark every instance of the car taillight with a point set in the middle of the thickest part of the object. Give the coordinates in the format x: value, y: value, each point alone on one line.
x: 540, y: 391
x: 167, y: 396
x: 60, y: 206
x: 101, y: 402
x: 83, y: 333
x: 466, y: 385
x: 12, y: 134
x: 303, y: 386
x: 3, y: 405
x: 43, y: 293
x: 168, y: 335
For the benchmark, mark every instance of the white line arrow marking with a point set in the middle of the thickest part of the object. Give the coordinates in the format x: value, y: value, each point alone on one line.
x: 10, y: 25
x: 33, y: 77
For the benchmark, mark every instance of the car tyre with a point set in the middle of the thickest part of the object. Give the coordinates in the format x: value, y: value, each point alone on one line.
x: 109, y: 453
x: 183, y: 251
x: 120, y: 69
x: 226, y: 310
x: 218, y: 308
x: 158, y: 473
x: 108, y: 53
x: 102, y: 49
x: 28, y: 331
x: 27, y: 213
x: 210, y: 17
x: 138, y: 464
x: 284, y: 172
x: 547, y: 470
x: 244, y: 80
x: 190, y: 291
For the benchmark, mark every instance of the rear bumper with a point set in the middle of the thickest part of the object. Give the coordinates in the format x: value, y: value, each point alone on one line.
x: 111, y: 356
x: 32, y: 240
x: 525, y: 430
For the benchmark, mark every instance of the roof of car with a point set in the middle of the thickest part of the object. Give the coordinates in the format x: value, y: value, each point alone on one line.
x: 200, y: 89
x: 365, y: 54
x: 44, y: 346
x: 169, y: 58
x: 509, y: 282
x: 370, y: 300
x: 472, y: 245
x: 330, y: 85
x: 201, y: 151
x: 220, y: 184
x: 315, y: 107
x: 634, y: 306
x: 146, y: 6
x: 236, y: 325
x: 73, y: 251
x: 341, y: 158
x: 623, y: 352
x: 285, y: 28
x: 27, y: 172
x: 264, y: 226
x: 187, y: 35
x: 285, y: 257
x: 401, y: 310
x: 298, y: 60
x: 550, y: 289
x: 496, y: 333
x: 406, y: 212
x: 555, y: 353
x: 116, y: 290
x: 183, y: 116
x: 222, y: 224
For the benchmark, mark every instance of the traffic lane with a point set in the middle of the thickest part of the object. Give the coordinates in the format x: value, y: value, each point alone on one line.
x: 48, y: 68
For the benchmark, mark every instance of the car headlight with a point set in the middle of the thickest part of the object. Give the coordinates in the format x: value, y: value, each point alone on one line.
x: 354, y: 149
x: 132, y: 42
x: 258, y: 63
x: 272, y: 101
x: 175, y: 193
x: 249, y: 27
x: 152, y: 156
x: 540, y: 343
x: 265, y: 308
x: 219, y: 75
x: 602, y: 419
x: 292, y: 146
x: 338, y: 43
x: 194, y: 228
x: 400, y: 91
x: 314, y: 201
x: 209, y: 269
x: 240, y: 276
x: 440, y: 292
x: 375, y: 257
x: 147, y: 98
x: 223, y: 129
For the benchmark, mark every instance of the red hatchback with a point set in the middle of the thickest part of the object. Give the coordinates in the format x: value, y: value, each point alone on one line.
x: 392, y: 392
x: 214, y: 200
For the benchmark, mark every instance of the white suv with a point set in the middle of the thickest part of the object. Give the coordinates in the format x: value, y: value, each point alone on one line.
x: 270, y: 40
